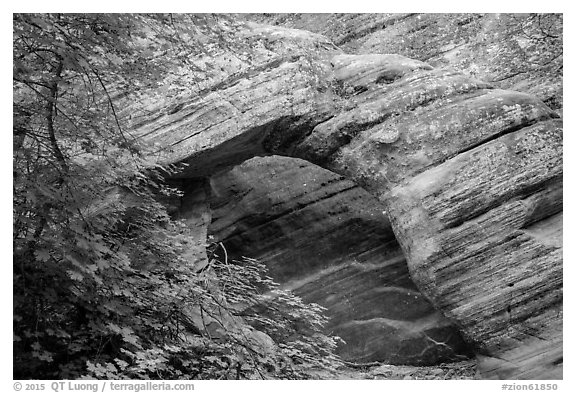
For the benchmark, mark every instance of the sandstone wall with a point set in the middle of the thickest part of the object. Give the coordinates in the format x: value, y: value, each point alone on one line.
x: 471, y: 177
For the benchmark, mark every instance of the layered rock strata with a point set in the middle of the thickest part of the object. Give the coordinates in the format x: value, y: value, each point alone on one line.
x: 471, y: 177
x: 520, y: 52
x: 328, y: 240
x: 483, y: 236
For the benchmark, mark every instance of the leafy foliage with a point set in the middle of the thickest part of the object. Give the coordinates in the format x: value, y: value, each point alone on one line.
x: 233, y: 323
x: 101, y: 285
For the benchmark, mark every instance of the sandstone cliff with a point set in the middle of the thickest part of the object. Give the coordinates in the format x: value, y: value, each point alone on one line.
x: 521, y: 52
x: 470, y: 176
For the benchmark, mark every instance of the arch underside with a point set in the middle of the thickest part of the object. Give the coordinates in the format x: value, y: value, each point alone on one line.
x: 468, y: 176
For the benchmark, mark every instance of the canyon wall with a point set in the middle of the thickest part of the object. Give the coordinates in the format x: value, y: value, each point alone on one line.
x: 468, y: 175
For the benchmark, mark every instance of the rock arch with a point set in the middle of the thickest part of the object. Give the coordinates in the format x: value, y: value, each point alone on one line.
x: 471, y: 177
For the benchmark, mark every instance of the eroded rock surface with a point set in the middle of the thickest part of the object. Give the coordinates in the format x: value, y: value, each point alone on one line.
x: 283, y: 87
x: 482, y: 233
x: 328, y: 240
x: 471, y: 177
x: 520, y: 52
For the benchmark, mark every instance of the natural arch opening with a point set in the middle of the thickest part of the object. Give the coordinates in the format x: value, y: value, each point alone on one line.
x: 428, y: 145
x: 327, y: 240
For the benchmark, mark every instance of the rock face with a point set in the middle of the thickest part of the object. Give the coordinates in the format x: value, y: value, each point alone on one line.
x: 483, y: 237
x: 520, y: 52
x: 470, y: 176
x: 328, y: 240
x: 393, y: 131
x: 465, y: 176
x: 225, y: 122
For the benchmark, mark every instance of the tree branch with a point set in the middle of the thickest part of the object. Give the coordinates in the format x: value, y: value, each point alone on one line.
x: 50, y: 112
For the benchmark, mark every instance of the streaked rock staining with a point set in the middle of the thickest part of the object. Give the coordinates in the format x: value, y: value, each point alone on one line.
x: 421, y: 206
